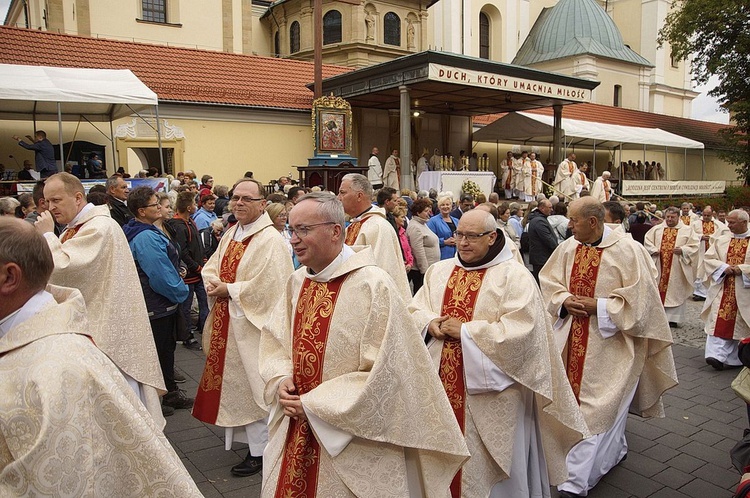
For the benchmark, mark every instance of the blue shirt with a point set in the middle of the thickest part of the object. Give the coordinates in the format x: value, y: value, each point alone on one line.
x: 203, y: 218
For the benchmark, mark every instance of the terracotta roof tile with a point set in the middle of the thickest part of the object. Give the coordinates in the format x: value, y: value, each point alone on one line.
x: 703, y: 131
x: 175, y: 74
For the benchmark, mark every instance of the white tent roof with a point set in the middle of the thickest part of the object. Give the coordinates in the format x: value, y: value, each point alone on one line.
x: 530, y: 128
x: 98, y: 94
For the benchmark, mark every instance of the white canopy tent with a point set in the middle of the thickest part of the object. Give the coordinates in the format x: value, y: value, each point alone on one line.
x: 536, y: 129
x: 49, y: 93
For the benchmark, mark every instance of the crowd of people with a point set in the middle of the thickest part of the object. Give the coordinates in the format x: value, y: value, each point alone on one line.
x: 375, y: 342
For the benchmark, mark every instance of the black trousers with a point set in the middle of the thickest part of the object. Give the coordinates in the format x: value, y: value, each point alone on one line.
x: 165, y: 339
x: 417, y: 279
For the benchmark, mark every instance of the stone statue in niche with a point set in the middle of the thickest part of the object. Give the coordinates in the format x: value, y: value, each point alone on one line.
x: 410, y: 34
x: 370, y: 25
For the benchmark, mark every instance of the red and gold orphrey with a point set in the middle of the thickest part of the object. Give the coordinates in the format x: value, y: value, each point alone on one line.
x: 533, y: 179
x: 208, y: 397
x: 352, y: 231
x: 727, y: 315
x: 583, y: 277
x: 70, y: 233
x: 312, y: 322
x: 708, y: 229
x: 668, y: 239
x: 685, y: 219
x: 459, y: 300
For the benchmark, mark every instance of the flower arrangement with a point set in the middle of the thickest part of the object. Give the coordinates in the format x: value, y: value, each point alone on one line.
x: 470, y: 188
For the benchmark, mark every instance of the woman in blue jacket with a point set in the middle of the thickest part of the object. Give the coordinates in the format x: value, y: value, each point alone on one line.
x: 443, y: 224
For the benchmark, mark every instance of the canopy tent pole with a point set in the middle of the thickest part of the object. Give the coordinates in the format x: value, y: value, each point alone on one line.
x: 59, y: 131
x: 158, y: 139
x: 75, y: 135
x: 666, y: 161
x: 557, y: 133
x: 703, y: 164
x: 112, y: 141
x: 644, y: 161
x: 593, y: 163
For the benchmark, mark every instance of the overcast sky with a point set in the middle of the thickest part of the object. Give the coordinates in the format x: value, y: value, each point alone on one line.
x: 704, y: 107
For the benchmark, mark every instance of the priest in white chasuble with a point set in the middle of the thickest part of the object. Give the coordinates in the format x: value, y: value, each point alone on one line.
x: 242, y: 278
x: 564, y: 183
x: 492, y: 347
x: 705, y: 228
x: 726, y: 313
x: 93, y: 256
x: 613, y: 335
x: 369, y: 227
x: 70, y: 425
x: 356, y: 408
x: 674, y: 248
x: 507, y: 175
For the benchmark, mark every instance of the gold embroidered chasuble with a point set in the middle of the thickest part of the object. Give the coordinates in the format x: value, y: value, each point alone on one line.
x: 375, y: 231
x: 507, y: 174
x: 565, y: 178
x: 70, y: 425
x: 675, y: 279
x: 532, y: 177
x: 95, y: 258
x: 509, y: 325
x: 726, y: 316
x: 638, y: 353
x: 374, y: 367
x: 263, y: 267
x: 713, y: 228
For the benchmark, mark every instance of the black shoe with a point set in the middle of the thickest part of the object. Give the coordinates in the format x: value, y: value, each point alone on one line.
x: 178, y: 377
x: 167, y: 411
x: 177, y: 400
x: 567, y: 494
x: 674, y: 325
x: 249, y: 467
x: 715, y: 363
x: 698, y: 298
x: 193, y: 345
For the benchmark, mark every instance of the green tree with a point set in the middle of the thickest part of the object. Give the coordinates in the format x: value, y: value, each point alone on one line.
x: 715, y: 36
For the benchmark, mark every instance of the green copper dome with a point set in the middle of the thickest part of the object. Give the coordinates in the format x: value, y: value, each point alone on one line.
x: 575, y: 27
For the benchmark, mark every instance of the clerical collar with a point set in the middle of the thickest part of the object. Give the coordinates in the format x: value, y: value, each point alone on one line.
x: 360, y: 215
x: 28, y: 310
x: 606, y: 233
x: 243, y: 230
x: 497, y: 253
x: 75, y: 221
x: 326, y: 273
x: 741, y: 235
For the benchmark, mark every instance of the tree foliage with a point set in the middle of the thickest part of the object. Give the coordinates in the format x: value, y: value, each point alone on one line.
x: 715, y: 36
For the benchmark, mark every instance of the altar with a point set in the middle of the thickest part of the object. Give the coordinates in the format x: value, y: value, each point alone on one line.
x: 443, y: 181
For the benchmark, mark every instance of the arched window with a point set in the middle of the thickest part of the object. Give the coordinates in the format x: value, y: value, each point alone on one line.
x: 277, y: 44
x: 392, y: 29
x: 484, y: 36
x: 617, y: 100
x: 332, y: 27
x: 294, y: 38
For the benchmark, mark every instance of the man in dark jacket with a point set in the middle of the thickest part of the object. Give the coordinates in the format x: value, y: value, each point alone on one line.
x: 117, y: 195
x: 465, y: 204
x: 44, y: 152
x: 157, y: 262
x: 542, y: 240
x: 185, y: 234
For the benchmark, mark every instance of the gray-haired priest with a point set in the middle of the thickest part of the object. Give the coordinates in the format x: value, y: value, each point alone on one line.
x: 613, y: 335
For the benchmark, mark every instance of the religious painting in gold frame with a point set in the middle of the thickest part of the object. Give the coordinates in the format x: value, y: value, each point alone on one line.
x: 332, y: 125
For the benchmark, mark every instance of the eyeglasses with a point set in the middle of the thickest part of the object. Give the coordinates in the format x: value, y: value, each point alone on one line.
x: 471, y: 237
x: 246, y: 199
x: 151, y: 205
x: 302, y: 231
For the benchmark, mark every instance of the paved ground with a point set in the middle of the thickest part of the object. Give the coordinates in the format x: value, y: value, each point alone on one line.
x: 685, y: 454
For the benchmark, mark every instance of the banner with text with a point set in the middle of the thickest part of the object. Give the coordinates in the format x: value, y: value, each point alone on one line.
x: 645, y: 188
x: 439, y: 72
